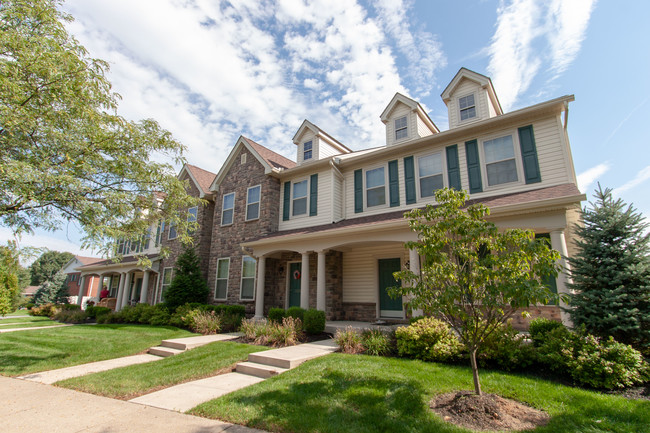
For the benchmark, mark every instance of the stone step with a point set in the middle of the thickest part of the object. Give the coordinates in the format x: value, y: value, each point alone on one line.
x: 293, y: 356
x: 187, y: 343
x: 259, y: 370
x: 164, y: 351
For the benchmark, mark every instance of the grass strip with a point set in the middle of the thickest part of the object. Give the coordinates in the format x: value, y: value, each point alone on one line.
x: 48, y: 349
x: 43, y: 321
x: 355, y: 393
x: 129, y: 382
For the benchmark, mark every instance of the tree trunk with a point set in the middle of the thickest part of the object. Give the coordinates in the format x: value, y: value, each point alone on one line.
x: 477, y: 382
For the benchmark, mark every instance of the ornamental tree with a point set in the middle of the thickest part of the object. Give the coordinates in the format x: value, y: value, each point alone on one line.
x: 473, y: 276
x: 66, y: 153
x: 611, y: 272
x: 54, y: 290
x: 188, y: 284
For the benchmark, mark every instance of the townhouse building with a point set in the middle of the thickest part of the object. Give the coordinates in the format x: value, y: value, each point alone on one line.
x: 328, y: 231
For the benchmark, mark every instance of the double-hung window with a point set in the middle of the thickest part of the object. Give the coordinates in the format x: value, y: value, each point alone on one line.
x: 467, y: 107
x: 247, y: 278
x: 221, y: 286
x: 253, y: 203
x: 228, y: 209
x: 500, y: 163
x: 159, y: 233
x: 172, y: 231
x: 166, y: 282
x: 307, y: 148
x: 430, y: 174
x: 375, y: 187
x: 401, y: 128
x: 299, y: 198
x: 192, y: 215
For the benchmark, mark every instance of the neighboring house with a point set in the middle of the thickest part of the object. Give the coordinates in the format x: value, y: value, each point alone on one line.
x: 130, y: 282
x: 328, y: 231
x: 74, y: 281
x: 29, y: 291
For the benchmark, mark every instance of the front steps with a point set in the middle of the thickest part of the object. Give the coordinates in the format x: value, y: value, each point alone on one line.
x: 180, y: 345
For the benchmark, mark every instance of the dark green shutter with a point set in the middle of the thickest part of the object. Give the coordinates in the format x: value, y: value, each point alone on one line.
x: 529, y: 154
x: 409, y: 180
x: 453, y: 167
x: 393, y: 183
x: 473, y: 166
x: 286, y: 205
x: 358, y: 191
x: 313, y: 195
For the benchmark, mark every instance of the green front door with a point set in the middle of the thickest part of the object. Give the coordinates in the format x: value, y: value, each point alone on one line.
x: 294, y: 284
x: 389, y: 307
x: 136, y: 292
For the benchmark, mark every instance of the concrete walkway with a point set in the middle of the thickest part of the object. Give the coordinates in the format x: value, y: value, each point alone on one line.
x: 260, y: 366
x: 34, y: 407
x: 2, y: 331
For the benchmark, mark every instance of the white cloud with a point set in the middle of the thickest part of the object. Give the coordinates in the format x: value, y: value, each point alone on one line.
x: 54, y: 241
x: 532, y: 35
x: 588, y: 177
x: 641, y: 177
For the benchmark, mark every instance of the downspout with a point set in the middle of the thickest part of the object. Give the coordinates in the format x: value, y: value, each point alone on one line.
x: 342, y: 178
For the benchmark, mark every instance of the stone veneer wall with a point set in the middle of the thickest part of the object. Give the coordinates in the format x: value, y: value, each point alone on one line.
x: 202, y: 237
x: 226, y: 240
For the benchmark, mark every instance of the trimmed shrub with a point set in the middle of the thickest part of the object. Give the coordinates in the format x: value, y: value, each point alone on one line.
x: 376, y: 342
x: 540, y: 327
x: 428, y: 339
x: 160, y: 316
x: 70, y: 307
x: 71, y: 316
x: 349, y: 340
x: 276, y: 315
x: 94, y: 312
x: 506, y: 349
x: 45, y: 310
x: 314, y: 321
x: 589, y: 361
x: 296, y: 313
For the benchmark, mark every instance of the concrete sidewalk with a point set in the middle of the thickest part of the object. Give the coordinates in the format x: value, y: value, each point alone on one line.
x: 2, y: 331
x: 34, y: 407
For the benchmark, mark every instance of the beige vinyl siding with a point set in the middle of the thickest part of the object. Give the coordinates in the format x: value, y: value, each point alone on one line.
x: 399, y: 111
x: 465, y: 88
x: 337, y: 197
x: 326, y: 150
x: 306, y: 136
x: 360, y: 272
x: 551, y: 154
x: 324, y: 215
x: 423, y: 129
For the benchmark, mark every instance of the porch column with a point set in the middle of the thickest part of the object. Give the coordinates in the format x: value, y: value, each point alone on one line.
x: 320, y: 282
x: 82, y: 280
x: 259, y: 289
x: 126, y: 291
x: 558, y: 242
x: 414, y: 266
x: 120, y: 292
x: 145, y: 287
x: 304, y: 282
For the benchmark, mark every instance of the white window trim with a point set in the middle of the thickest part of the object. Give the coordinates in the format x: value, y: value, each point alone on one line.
x: 306, y: 214
x: 169, y: 231
x: 223, y: 199
x: 217, y: 279
x: 162, y: 281
x: 259, y: 202
x: 386, y: 191
x: 470, y: 119
x: 407, y: 128
x: 241, y: 279
x: 445, y: 180
x: 311, y: 158
x: 518, y: 162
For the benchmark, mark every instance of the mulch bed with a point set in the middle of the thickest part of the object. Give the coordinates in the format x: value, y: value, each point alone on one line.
x: 487, y: 412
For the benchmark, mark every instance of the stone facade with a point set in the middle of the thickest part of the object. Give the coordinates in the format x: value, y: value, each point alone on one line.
x: 244, y: 173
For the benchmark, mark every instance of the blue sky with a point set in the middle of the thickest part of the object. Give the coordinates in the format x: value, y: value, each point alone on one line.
x: 209, y: 71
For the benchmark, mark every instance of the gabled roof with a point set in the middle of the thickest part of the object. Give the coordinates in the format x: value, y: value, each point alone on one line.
x: 306, y: 124
x: 88, y: 260
x: 269, y: 159
x: 201, y: 178
x: 412, y: 104
x: 484, y: 81
x: 83, y: 261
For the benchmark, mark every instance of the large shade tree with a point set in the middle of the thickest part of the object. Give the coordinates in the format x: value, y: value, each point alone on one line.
x: 66, y: 153
x: 473, y: 276
x: 48, y: 264
x: 611, y: 272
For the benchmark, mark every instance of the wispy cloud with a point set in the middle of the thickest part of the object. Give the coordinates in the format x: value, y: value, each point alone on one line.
x: 532, y: 35
x: 641, y: 177
x: 588, y: 177
x: 622, y: 122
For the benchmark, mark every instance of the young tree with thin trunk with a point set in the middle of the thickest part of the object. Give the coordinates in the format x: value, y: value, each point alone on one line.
x: 473, y: 276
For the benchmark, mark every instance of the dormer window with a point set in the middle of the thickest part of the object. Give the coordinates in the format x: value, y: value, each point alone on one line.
x: 307, y: 150
x: 467, y: 107
x: 401, y: 128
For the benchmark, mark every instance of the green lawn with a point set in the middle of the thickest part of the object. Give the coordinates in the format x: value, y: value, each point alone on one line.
x: 47, y: 349
x: 26, y: 322
x: 354, y: 393
x: 17, y: 313
x: 129, y: 382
